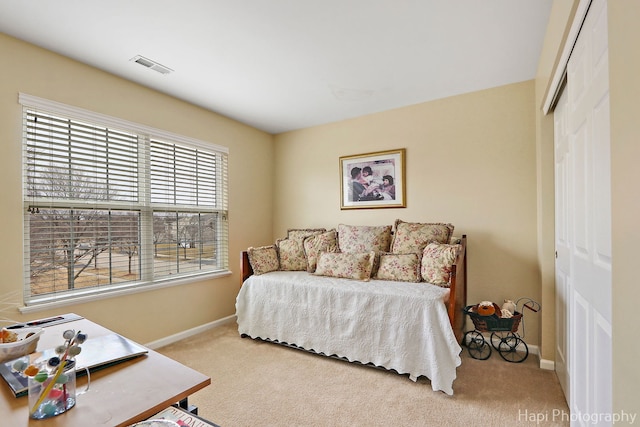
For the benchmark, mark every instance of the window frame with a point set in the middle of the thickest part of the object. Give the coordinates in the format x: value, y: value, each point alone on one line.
x: 146, y: 209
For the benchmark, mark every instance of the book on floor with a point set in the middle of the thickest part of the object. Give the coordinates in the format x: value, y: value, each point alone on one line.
x: 97, y: 353
x: 180, y: 417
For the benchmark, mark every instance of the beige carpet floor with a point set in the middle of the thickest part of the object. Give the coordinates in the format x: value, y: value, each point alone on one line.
x: 255, y: 383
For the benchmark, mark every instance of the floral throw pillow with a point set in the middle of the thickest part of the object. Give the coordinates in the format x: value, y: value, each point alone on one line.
x: 263, y: 259
x: 437, y: 260
x: 399, y: 267
x: 303, y: 233
x: 363, y: 238
x: 314, y: 245
x: 414, y: 236
x: 291, y: 254
x: 346, y: 265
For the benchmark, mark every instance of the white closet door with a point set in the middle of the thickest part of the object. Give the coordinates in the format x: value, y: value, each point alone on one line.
x: 584, y: 236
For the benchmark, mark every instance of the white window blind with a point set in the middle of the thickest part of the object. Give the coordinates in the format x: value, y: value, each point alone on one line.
x: 111, y: 205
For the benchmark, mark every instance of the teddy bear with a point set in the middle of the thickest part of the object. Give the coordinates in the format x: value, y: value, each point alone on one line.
x: 486, y: 308
x: 508, y: 308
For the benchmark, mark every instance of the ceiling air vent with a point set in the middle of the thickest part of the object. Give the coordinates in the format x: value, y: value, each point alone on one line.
x: 151, y: 64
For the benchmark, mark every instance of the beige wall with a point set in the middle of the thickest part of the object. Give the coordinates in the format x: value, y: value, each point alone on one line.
x: 146, y: 316
x: 624, y: 61
x: 470, y: 160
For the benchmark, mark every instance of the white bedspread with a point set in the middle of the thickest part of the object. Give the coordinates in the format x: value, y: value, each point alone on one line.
x: 396, y: 325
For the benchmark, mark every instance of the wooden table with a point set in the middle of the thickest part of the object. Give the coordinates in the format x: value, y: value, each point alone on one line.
x: 118, y: 395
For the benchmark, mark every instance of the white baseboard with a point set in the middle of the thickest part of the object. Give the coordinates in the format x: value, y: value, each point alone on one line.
x: 547, y: 364
x: 533, y: 350
x: 190, y: 332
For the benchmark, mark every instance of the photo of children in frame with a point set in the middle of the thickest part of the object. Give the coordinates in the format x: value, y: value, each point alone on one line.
x: 371, y: 180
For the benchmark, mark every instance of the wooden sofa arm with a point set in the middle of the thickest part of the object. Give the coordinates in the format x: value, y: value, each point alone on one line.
x: 458, y: 290
x: 245, y: 267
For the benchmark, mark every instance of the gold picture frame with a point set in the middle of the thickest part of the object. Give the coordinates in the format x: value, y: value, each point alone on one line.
x: 373, y: 180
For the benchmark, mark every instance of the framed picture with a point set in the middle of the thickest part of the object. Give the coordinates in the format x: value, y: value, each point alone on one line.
x: 373, y: 180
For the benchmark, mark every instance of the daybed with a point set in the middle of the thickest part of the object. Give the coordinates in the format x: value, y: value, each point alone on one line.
x: 361, y: 295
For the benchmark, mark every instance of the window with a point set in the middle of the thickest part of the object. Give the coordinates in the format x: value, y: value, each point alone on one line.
x: 111, y: 205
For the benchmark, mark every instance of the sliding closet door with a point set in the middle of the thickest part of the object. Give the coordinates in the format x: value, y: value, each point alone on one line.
x: 583, y: 238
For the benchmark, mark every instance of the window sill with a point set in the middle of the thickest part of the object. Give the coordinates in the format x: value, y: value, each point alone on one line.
x: 61, y: 301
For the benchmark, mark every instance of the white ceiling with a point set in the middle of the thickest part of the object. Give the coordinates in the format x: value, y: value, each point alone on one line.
x: 280, y: 65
